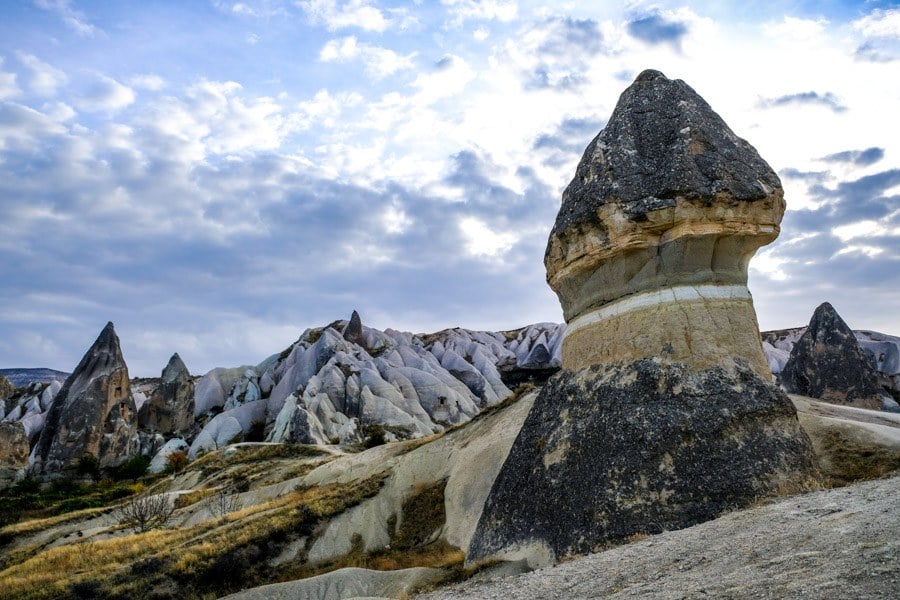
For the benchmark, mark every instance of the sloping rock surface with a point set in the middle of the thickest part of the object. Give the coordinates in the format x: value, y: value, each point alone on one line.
x: 837, y: 543
x: 93, y: 413
x: 827, y: 362
x: 13, y: 451
x: 610, y: 452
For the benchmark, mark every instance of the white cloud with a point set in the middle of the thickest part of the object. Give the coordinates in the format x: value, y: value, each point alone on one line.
x: 8, y: 86
x: 462, y: 10
x: 335, y: 14
x: 379, y: 62
x: 481, y: 240
x: 239, y: 8
x: 880, y: 23
x: 105, y: 94
x: 796, y: 29
x: 153, y: 83
x: 252, y: 39
x: 481, y: 34
x: 323, y: 109
x: 45, y: 80
x: 73, y: 19
x: 858, y: 229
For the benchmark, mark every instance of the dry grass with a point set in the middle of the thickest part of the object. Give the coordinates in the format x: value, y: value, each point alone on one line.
x: 119, y: 567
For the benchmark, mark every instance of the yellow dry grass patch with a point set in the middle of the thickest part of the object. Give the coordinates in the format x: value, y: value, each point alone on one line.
x: 35, y: 525
x: 51, y: 572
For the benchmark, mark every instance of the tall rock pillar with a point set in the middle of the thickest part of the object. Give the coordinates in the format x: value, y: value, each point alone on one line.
x: 664, y: 414
x: 93, y: 413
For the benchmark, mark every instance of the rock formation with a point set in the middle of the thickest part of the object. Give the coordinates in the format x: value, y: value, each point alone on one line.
x: 827, y: 362
x: 664, y: 414
x: 170, y: 408
x: 93, y: 413
x: 353, y: 332
x: 666, y: 209
x: 13, y: 452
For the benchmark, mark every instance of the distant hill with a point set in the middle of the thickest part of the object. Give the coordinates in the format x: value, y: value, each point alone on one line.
x: 22, y: 377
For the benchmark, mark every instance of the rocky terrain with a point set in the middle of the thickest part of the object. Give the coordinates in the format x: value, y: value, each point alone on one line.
x: 361, y: 463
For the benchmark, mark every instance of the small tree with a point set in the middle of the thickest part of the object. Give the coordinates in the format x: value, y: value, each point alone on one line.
x: 144, y: 513
x: 222, y: 502
x: 89, y: 466
x: 176, y: 462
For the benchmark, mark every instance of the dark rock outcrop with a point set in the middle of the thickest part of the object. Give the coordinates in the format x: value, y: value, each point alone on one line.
x: 6, y: 388
x: 353, y: 333
x: 612, y: 451
x: 93, y: 413
x: 827, y: 362
x: 170, y: 408
x: 663, y: 414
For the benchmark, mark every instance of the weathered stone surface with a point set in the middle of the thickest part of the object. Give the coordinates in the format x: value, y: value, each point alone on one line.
x: 13, y: 452
x: 93, y: 413
x: 161, y: 459
x: 6, y: 388
x: 666, y: 209
x: 353, y: 332
x: 345, y: 584
x: 609, y: 452
x: 170, y: 408
x: 828, y: 363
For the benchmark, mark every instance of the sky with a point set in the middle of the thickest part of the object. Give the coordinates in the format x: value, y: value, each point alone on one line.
x: 215, y: 176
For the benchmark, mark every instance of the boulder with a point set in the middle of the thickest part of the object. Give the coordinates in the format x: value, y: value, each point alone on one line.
x: 170, y: 408
x: 93, y: 413
x: 6, y: 388
x: 353, y: 332
x: 827, y: 362
x: 664, y: 414
x: 608, y: 452
x: 161, y: 459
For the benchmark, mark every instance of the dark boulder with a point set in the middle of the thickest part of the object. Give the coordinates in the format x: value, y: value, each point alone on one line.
x: 170, y: 408
x: 608, y: 452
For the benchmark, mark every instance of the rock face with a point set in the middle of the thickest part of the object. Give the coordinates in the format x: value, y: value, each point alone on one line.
x: 170, y: 408
x: 13, y: 452
x: 827, y: 362
x: 609, y: 451
x: 666, y: 209
x: 93, y: 413
x: 664, y: 414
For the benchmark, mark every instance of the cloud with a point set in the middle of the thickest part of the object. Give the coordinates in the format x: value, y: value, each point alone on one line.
x: 655, y: 28
x: 379, y: 62
x: 556, y: 53
x: 73, y: 19
x: 462, y: 10
x: 105, y: 94
x: 862, y: 158
x: 880, y: 31
x: 335, y: 14
x: 150, y: 82
x: 828, y: 100
x: 45, y: 80
x: 8, y: 86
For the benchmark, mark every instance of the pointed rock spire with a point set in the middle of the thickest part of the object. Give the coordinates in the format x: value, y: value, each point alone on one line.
x: 93, y: 413
x: 170, y: 408
x: 827, y: 362
x: 353, y: 332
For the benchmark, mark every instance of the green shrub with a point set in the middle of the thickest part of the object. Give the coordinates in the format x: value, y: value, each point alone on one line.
x: 133, y: 468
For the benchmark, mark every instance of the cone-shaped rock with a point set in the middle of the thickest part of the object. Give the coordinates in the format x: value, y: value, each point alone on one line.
x: 828, y: 363
x: 664, y: 414
x: 353, y: 333
x: 170, y: 408
x: 666, y: 209
x: 92, y: 414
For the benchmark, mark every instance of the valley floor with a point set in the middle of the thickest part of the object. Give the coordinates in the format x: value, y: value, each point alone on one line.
x: 836, y: 543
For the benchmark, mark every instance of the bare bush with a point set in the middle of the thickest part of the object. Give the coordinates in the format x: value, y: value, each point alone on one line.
x: 222, y: 502
x: 144, y: 513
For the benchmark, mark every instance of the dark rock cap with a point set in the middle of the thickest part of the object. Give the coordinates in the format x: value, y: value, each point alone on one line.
x: 353, y: 333
x: 662, y: 141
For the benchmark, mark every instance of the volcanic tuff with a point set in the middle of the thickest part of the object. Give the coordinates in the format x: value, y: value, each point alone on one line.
x: 93, y: 413
x: 170, y: 408
x: 664, y: 414
x: 827, y: 362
